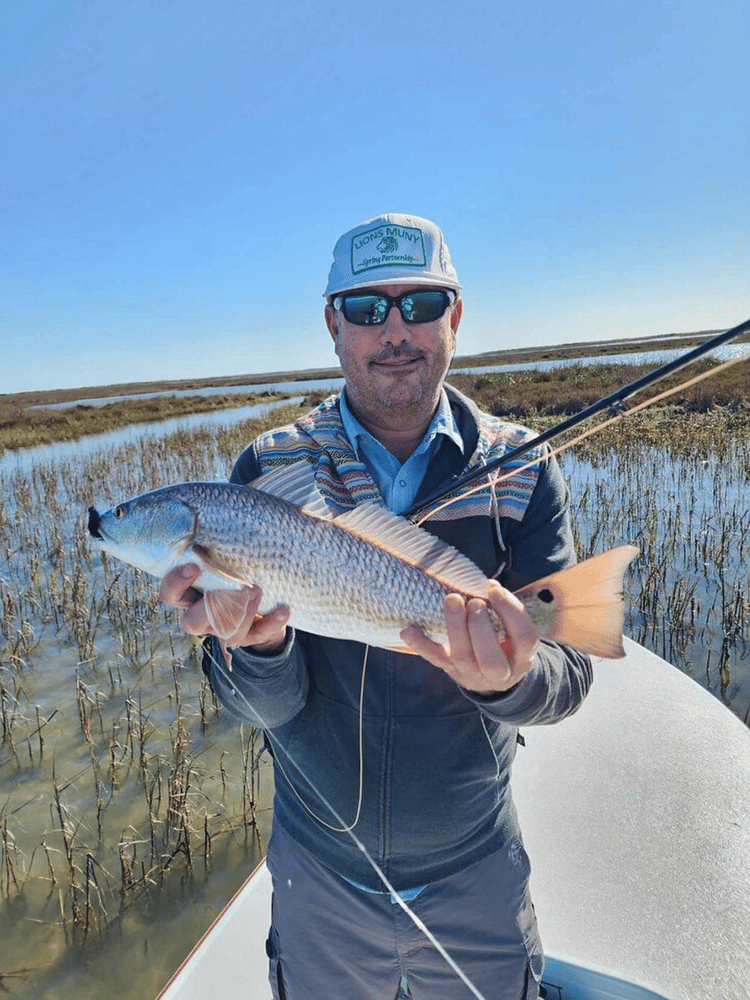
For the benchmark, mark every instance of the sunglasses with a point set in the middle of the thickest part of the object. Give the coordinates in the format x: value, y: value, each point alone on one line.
x: 372, y: 308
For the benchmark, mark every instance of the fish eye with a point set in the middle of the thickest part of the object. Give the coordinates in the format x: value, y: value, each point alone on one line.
x: 119, y: 511
x: 546, y: 595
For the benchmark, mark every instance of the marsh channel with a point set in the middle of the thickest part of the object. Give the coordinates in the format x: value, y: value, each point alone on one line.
x: 131, y: 806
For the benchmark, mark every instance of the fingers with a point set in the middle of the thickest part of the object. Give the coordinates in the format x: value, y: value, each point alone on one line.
x: 176, y: 588
x: 267, y: 633
x: 433, y: 652
x: 263, y: 632
x: 476, y: 656
x: 472, y: 646
x: 522, y: 634
x: 457, y: 623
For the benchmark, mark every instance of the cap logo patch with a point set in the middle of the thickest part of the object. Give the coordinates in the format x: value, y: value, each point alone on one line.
x: 386, y: 246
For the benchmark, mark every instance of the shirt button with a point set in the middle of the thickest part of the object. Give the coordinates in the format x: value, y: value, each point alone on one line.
x: 402, y: 482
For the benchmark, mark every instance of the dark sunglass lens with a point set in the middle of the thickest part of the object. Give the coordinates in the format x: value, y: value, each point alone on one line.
x: 416, y: 307
x: 365, y: 310
x: 423, y: 307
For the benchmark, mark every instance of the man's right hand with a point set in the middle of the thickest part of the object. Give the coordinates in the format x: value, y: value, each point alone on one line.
x: 266, y: 634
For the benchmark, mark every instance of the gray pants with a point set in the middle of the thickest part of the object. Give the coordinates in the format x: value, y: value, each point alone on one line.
x: 330, y: 940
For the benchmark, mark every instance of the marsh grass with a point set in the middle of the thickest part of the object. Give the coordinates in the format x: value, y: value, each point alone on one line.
x: 27, y: 419
x: 530, y: 394
x: 672, y: 480
x: 120, y: 777
x: 118, y: 772
x: 23, y: 425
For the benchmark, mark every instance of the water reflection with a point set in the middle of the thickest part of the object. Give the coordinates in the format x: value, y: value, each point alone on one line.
x: 655, y: 358
x: 645, y: 498
x: 304, y: 386
x: 25, y: 458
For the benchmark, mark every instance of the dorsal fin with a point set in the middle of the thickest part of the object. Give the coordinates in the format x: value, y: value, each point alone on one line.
x: 377, y: 524
x: 415, y: 546
x: 295, y: 483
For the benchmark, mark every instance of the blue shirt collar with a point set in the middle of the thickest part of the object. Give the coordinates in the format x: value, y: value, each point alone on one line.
x: 443, y: 422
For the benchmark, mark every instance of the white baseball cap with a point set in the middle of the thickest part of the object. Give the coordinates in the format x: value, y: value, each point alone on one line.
x: 391, y: 249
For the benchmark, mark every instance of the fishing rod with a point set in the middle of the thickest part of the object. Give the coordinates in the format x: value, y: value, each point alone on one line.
x: 612, y: 402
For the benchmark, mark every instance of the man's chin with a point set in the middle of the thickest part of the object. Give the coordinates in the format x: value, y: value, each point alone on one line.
x: 401, y: 394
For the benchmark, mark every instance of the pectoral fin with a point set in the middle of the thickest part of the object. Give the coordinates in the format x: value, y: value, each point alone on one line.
x: 226, y: 610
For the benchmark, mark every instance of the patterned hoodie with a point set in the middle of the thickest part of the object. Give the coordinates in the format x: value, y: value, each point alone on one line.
x: 436, y: 759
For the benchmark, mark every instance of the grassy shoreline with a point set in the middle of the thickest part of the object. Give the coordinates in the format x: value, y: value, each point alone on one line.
x: 158, y: 797
x: 26, y: 422
x: 27, y: 426
x: 49, y: 397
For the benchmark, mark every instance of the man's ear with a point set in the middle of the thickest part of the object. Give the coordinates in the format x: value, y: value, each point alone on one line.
x: 333, y: 326
x: 457, y: 312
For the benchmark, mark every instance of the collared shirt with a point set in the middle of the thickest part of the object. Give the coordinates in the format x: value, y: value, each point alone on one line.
x: 398, y: 484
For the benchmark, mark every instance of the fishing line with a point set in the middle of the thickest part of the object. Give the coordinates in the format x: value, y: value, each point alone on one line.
x: 394, y: 893
x: 493, y: 478
x: 346, y: 828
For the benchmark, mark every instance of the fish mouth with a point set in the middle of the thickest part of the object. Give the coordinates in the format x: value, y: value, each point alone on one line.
x: 95, y: 520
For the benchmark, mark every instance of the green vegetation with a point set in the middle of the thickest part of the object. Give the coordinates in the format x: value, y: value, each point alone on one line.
x: 24, y: 425
x: 524, y: 395
x: 25, y: 419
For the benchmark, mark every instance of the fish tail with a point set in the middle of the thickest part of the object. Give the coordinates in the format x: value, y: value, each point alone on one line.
x: 589, y: 610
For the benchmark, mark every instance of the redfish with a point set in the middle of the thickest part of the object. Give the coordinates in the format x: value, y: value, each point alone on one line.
x: 363, y: 575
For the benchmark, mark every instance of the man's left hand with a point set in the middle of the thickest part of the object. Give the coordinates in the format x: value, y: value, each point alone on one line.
x: 475, y: 657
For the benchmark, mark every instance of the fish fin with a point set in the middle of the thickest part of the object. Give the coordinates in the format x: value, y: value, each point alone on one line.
x: 226, y: 609
x: 296, y: 484
x: 216, y: 574
x: 416, y: 546
x: 227, y: 654
x: 589, y: 604
x: 376, y: 523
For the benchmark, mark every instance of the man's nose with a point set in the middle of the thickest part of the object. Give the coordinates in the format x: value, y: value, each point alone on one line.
x: 395, y: 330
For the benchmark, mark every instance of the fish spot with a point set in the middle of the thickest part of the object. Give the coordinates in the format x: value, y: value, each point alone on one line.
x: 546, y: 595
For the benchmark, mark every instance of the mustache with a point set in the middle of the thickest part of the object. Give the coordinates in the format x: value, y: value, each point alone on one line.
x: 399, y: 352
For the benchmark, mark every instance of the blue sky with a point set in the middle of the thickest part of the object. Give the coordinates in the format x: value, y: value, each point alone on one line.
x: 175, y: 174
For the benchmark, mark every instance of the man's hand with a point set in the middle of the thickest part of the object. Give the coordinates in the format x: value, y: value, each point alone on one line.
x: 265, y: 634
x: 474, y: 657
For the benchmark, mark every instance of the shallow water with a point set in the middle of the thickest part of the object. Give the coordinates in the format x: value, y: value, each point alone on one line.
x: 24, y: 459
x: 104, y: 708
x: 654, y: 358
x: 302, y: 386
x: 96, y: 668
x: 688, y: 589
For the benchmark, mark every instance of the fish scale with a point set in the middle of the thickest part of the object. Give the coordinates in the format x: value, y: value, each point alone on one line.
x: 327, y: 575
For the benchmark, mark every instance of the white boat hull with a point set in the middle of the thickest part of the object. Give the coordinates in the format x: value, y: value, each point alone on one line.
x: 635, y: 814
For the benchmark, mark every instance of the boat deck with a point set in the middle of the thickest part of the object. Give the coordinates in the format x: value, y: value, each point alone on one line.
x: 636, y: 816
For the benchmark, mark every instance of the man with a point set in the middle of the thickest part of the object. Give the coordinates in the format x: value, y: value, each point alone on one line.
x: 388, y: 762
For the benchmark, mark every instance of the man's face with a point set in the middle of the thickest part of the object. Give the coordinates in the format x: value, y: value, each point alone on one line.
x: 395, y: 368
